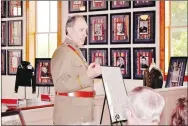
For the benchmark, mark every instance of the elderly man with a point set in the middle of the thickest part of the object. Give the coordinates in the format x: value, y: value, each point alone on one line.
x: 145, y: 106
x: 73, y: 78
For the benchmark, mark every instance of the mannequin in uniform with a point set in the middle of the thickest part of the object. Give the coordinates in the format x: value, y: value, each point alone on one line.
x: 153, y: 76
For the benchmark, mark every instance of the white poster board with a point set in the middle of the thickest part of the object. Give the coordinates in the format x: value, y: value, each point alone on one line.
x: 115, y: 93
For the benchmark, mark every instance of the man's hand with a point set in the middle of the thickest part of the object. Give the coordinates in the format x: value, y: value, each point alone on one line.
x: 94, y: 70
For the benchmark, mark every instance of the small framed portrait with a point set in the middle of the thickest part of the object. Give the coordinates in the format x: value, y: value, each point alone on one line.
x: 3, y: 33
x: 15, y: 8
x: 143, y: 27
x: 77, y: 6
x: 3, y: 8
x: 142, y: 58
x: 15, y: 33
x: 176, y: 71
x: 98, y: 5
x: 14, y: 57
x: 84, y: 52
x: 42, y: 72
x: 121, y: 57
x: 99, y: 56
x: 143, y: 3
x: 98, y: 29
x: 3, y: 62
x: 12, y: 117
x: 120, y: 4
x: 120, y: 28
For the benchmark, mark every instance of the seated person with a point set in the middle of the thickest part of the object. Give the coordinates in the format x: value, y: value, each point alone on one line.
x: 180, y: 113
x: 145, y: 106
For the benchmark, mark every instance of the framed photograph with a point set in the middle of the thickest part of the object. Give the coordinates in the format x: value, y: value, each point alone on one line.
x: 121, y: 57
x: 142, y: 58
x: 3, y: 9
x: 3, y: 33
x: 15, y: 33
x: 12, y: 117
x: 14, y: 57
x: 176, y: 71
x: 3, y: 62
x: 77, y: 6
x: 84, y: 52
x: 42, y: 72
x: 98, y: 29
x: 120, y: 4
x: 143, y: 27
x: 15, y: 8
x: 98, y: 55
x: 143, y: 3
x: 120, y: 28
x: 98, y: 5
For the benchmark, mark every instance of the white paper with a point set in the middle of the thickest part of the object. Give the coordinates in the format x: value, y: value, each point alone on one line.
x: 115, y: 92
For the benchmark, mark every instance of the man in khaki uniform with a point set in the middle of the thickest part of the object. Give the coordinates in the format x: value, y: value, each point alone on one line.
x: 73, y: 78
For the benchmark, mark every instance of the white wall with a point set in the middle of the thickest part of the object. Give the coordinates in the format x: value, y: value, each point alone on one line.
x: 130, y: 83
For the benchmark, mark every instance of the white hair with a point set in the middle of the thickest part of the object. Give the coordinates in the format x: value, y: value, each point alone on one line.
x: 146, y: 104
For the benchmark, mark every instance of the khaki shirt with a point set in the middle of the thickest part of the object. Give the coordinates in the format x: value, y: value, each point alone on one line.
x: 66, y: 68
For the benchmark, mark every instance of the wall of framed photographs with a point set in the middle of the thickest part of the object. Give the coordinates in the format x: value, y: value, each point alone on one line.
x: 120, y: 33
x: 12, y: 43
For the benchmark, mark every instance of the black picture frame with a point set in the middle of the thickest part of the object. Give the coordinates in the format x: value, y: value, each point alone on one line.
x: 19, y: 8
x: 84, y: 52
x: 101, y: 5
x: 77, y: 5
x: 176, y: 71
x: 98, y: 29
x: 121, y: 57
x: 43, y: 75
x: 86, y: 39
x: 12, y: 117
x: 98, y: 55
x: 3, y: 62
x: 14, y: 59
x: 121, y: 21
x: 17, y: 39
x: 3, y: 8
x: 140, y: 54
x: 4, y: 35
x: 143, y: 3
x: 146, y: 33
x: 120, y: 4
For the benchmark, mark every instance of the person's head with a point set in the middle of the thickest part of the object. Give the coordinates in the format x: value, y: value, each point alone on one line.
x: 180, y: 113
x: 175, y: 65
x: 143, y: 59
x: 120, y: 61
x: 76, y: 29
x: 145, y: 106
x: 120, y: 27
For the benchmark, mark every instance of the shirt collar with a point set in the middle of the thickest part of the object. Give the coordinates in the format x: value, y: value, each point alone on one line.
x: 69, y: 41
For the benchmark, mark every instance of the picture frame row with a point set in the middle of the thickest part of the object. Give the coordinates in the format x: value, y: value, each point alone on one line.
x: 11, y: 8
x: 10, y: 59
x: 101, y: 5
x: 120, y: 28
x: 121, y: 57
x: 12, y: 33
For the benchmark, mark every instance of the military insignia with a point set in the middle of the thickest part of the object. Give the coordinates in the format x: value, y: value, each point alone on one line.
x: 160, y: 77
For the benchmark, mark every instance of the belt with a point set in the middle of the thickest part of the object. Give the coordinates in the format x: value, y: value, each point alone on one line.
x: 85, y: 94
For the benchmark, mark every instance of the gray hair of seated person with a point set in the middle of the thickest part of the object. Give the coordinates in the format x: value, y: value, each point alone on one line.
x: 71, y: 21
x: 146, y: 104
